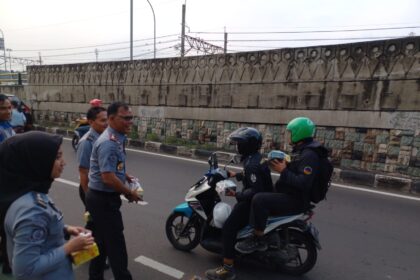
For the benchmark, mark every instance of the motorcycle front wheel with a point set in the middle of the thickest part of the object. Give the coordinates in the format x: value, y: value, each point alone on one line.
x: 301, y: 253
x: 182, y: 231
x: 75, y: 141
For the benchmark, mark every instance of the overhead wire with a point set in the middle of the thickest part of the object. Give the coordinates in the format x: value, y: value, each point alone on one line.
x: 311, y: 31
x: 99, y: 45
x: 300, y: 39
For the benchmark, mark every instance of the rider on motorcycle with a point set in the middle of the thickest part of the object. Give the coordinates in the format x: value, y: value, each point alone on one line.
x: 293, y: 188
x: 256, y: 178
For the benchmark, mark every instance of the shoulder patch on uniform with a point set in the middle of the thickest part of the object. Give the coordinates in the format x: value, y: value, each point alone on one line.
x: 307, y: 170
x: 40, y: 201
x: 38, y: 234
x: 113, y: 137
x: 90, y: 137
x: 253, y: 178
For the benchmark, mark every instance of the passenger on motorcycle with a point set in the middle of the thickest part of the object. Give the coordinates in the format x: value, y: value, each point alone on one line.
x: 256, y: 178
x: 293, y: 189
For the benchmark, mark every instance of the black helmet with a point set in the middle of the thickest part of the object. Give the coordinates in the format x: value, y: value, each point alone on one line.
x: 248, y: 140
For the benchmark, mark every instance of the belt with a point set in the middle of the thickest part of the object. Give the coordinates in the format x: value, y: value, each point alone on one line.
x: 104, y: 193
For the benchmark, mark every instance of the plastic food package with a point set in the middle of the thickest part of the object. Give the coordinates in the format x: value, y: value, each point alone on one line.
x: 86, y: 255
x: 87, y: 217
x: 278, y: 155
x: 135, y: 185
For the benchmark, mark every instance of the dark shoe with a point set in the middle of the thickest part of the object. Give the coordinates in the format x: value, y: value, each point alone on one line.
x: 251, y: 244
x: 221, y: 273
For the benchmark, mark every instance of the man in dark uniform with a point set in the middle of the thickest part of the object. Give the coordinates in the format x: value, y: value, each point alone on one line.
x: 107, y: 177
x: 256, y: 178
x: 293, y: 189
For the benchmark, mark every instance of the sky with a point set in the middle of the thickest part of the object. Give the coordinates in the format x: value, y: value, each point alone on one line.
x: 79, y: 31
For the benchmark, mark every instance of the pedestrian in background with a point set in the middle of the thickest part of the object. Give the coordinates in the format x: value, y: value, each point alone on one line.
x: 34, y: 226
x: 107, y: 177
x: 6, y: 131
x: 18, y: 120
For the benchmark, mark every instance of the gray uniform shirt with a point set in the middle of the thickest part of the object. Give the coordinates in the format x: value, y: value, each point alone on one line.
x: 84, y: 149
x: 108, y: 155
x: 35, y: 239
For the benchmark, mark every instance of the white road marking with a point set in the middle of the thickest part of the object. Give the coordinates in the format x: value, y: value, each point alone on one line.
x: 74, y: 184
x: 277, y: 175
x: 67, y: 182
x: 175, y: 273
x: 376, y: 192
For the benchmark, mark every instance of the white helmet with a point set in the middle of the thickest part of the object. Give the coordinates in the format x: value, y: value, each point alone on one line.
x: 220, y: 213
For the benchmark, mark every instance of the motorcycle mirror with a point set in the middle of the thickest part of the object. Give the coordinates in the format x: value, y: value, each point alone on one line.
x: 213, y: 161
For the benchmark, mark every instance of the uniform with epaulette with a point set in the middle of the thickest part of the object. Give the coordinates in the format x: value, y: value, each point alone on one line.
x: 41, y: 229
x: 103, y: 203
x: 84, y: 151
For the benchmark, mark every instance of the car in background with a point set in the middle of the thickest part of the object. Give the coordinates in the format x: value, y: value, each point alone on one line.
x: 25, y: 109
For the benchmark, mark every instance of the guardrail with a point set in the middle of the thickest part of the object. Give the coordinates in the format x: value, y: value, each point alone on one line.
x: 13, y: 78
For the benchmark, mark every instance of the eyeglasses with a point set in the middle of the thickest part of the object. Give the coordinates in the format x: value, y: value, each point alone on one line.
x: 126, y: 118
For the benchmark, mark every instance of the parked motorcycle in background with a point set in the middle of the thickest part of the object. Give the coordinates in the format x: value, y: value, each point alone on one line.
x: 292, y: 240
x: 82, y: 126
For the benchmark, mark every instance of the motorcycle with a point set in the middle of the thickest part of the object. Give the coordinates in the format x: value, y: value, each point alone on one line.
x: 82, y: 126
x: 292, y: 240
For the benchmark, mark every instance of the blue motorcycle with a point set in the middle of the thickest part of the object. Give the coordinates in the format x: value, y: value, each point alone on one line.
x: 292, y: 240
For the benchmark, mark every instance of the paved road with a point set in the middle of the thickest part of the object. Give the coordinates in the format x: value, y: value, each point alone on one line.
x: 364, y: 235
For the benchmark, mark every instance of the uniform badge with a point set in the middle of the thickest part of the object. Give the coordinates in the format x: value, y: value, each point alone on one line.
x: 38, y: 234
x: 307, y: 170
x: 120, y: 166
x: 112, y: 137
x: 253, y: 178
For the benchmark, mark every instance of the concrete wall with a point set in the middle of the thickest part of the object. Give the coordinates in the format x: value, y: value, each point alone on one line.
x: 16, y: 90
x: 365, y: 97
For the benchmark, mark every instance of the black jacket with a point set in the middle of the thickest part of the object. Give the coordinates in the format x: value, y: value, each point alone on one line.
x: 302, y: 172
x: 255, y: 178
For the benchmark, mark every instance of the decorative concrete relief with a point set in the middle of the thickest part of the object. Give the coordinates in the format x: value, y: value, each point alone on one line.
x: 225, y: 100
x: 182, y: 100
x: 281, y: 101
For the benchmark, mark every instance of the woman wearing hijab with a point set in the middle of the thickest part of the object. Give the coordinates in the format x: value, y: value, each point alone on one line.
x: 34, y: 227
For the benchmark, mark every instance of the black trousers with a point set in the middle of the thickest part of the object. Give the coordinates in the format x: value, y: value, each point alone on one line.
x: 108, y: 232
x: 238, y: 219
x: 82, y: 194
x: 265, y: 204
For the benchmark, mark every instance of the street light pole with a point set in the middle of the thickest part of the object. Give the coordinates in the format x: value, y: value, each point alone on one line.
x: 131, y: 30
x: 4, y: 51
x: 154, y: 30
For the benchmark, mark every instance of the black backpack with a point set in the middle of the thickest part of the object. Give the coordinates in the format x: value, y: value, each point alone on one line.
x: 321, y: 185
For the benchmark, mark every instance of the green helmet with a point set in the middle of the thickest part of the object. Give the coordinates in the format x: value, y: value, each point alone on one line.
x: 301, y: 128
